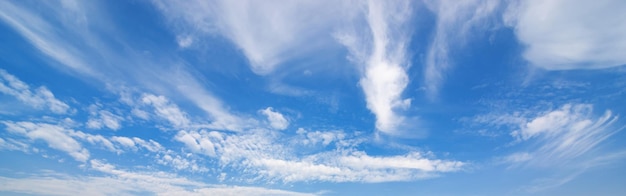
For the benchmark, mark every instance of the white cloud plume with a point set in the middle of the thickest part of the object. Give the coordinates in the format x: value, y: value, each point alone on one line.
x: 276, y: 119
x: 56, y: 137
x: 455, y: 20
x: 38, y: 98
x: 562, y: 35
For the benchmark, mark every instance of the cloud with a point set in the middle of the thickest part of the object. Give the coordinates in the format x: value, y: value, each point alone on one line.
x: 45, y: 37
x: 99, y: 118
x: 381, y: 54
x: 268, y: 32
x: 38, y: 98
x: 321, y: 137
x: 120, y: 182
x: 563, y: 135
x: 166, y: 110
x: 564, y: 35
x: 199, y: 142
x: 455, y: 21
x: 259, y: 154
x: 56, y: 137
x: 76, y: 49
x: 276, y: 120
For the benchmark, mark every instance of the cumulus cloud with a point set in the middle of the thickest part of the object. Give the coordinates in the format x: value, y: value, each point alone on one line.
x: 563, y: 35
x: 56, y: 137
x: 276, y: 120
x: 39, y: 98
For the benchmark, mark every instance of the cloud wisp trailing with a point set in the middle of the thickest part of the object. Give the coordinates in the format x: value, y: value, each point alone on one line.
x: 456, y: 22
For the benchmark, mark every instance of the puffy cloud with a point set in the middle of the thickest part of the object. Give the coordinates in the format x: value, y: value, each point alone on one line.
x: 276, y: 120
x: 55, y: 136
x: 38, y: 98
x: 563, y: 35
x: 199, y: 142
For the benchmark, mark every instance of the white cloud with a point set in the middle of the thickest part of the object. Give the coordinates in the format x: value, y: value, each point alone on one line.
x: 455, y: 20
x: 124, y: 141
x: 102, y: 118
x: 79, y: 51
x: 181, y: 162
x: 564, y: 134
x: 268, y: 32
x: 260, y: 154
x: 321, y: 137
x: 121, y: 182
x: 199, y: 142
x: 381, y: 53
x: 562, y: 35
x: 166, y: 110
x: 135, y: 143
x: 276, y: 119
x: 56, y: 137
x: 38, y: 98
x: 45, y: 37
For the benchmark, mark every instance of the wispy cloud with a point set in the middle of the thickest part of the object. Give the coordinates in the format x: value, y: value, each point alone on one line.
x: 87, y: 55
x: 455, y: 22
x: 44, y: 36
x: 116, y: 181
x: 566, y: 141
x: 39, y: 98
x: 268, y: 32
x: 563, y: 134
x: 562, y: 35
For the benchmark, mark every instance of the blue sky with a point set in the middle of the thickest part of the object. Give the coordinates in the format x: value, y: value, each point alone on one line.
x: 312, y: 97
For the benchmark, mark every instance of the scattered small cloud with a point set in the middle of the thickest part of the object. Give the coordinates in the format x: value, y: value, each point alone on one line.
x: 276, y: 120
x: 38, y: 98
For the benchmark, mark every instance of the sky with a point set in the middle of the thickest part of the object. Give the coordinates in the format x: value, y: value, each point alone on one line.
x: 312, y: 97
